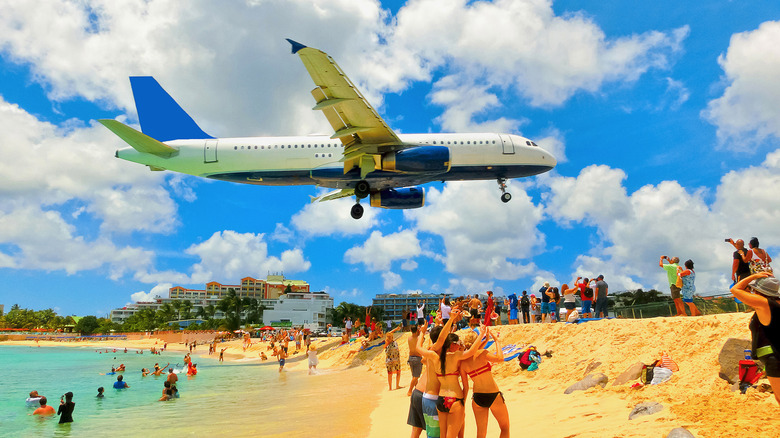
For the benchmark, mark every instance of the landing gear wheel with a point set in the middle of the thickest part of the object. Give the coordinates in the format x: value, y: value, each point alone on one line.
x: 362, y: 189
x: 505, y: 197
x: 357, y: 211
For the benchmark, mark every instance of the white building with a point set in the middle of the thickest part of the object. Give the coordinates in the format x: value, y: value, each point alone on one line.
x: 296, y: 309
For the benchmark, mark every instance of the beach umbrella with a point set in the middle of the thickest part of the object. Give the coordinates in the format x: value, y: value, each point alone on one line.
x: 268, y: 327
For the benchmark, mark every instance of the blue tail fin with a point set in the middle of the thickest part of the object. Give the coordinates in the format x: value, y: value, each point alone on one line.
x: 160, y: 116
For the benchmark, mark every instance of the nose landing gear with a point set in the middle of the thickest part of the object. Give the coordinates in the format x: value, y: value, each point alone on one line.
x: 362, y: 189
x: 505, y: 196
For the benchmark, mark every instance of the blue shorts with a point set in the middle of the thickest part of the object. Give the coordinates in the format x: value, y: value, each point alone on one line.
x: 545, y: 307
x: 600, y: 307
x: 512, y: 313
x: 431, y: 417
x: 586, y: 306
x: 553, y: 307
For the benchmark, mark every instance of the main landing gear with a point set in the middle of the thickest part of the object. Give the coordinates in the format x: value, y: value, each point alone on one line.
x: 505, y: 196
x: 362, y: 189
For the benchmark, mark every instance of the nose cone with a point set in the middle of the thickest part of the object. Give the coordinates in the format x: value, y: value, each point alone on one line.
x: 548, y: 159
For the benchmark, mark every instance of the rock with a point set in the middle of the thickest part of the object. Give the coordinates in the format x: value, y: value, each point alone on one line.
x: 590, y: 381
x: 645, y: 408
x: 591, y: 366
x: 732, y: 352
x: 632, y: 373
x: 680, y: 432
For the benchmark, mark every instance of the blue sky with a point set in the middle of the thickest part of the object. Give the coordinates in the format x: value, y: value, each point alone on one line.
x: 663, y: 118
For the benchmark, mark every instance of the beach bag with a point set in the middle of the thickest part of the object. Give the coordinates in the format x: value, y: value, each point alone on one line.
x: 574, y: 316
x: 759, y: 265
x: 646, y: 375
x: 588, y: 293
x: 749, y: 372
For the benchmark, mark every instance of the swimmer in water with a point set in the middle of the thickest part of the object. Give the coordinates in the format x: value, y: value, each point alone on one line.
x: 100, y: 392
x: 44, y: 409
x: 144, y: 372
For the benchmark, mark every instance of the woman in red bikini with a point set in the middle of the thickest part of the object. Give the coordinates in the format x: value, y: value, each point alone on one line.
x: 450, y: 404
x: 487, y: 397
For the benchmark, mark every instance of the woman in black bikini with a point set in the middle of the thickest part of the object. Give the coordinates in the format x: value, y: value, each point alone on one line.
x: 487, y: 397
x: 450, y: 404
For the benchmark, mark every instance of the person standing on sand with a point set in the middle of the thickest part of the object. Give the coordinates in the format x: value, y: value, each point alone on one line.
x: 486, y: 396
x: 348, y: 326
x: 569, y: 299
x: 545, y: 307
x: 740, y: 268
x: 601, y: 290
x: 761, y: 292
x: 671, y: 275
x: 432, y: 385
x: 415, y: 360
x: 392, y: 360
x: 490, y: 307
x: 511, y: 304
x: 760, y: 260
x: 313, y: 360
x: 688, y: 276
x: 474, y: 306
x: 416, y: 418
x: 587, y: 300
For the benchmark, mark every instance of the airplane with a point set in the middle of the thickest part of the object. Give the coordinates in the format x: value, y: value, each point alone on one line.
x: 363, y: 158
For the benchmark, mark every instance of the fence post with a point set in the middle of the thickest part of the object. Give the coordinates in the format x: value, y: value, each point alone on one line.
x: 633, y: 314
x: 640, y: 314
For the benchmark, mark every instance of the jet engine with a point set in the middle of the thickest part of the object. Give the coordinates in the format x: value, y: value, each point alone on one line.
x: 422, y: 159
x: 411, y: 197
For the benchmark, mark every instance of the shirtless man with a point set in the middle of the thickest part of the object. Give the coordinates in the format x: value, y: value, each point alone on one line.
x: 475, y: 305
x: 158, y: 370
x: 44, y: 409
x: 415, y: 360
x: 171, y: 380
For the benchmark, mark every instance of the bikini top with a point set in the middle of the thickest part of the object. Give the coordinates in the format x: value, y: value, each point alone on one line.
x: 448, y: 374
x: 481, y: 370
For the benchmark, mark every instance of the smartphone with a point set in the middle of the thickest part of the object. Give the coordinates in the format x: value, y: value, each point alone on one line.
x: 727, y: 239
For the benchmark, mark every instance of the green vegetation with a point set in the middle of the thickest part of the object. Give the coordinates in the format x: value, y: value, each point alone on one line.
x: 237, y: 311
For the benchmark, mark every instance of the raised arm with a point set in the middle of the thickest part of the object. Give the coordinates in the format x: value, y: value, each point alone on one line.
x: 499, y: 355
x: 756, y: 301
x: 661, y: 262
x: 444, y: 332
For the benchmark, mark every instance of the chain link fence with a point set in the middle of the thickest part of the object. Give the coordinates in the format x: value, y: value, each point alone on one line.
x: 707, y: 305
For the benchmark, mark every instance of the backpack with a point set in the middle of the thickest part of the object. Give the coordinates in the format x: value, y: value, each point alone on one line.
x: 646, y: 375
x: 588, y: 293
x: 524, y: 301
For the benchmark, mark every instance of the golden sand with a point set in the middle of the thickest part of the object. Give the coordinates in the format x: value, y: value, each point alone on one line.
x: 695, y: 398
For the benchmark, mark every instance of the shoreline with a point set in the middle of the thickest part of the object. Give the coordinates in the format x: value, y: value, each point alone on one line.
x: 695, y: 398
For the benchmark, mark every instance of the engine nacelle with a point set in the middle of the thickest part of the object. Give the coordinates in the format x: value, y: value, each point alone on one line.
x: 411, y: 197
x: 421, y: 159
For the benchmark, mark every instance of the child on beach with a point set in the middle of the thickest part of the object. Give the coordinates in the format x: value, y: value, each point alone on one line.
x: 313, y: 361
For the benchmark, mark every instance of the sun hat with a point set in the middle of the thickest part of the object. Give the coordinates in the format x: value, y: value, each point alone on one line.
x: 768, y: 286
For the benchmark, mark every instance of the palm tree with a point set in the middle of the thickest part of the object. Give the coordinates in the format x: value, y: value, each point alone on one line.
x: 186, y: 309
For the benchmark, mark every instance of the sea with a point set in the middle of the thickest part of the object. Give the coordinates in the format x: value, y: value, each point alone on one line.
x: 232, y: 399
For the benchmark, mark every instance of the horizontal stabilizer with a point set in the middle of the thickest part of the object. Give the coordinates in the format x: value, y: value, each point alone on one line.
x: 138, y: 140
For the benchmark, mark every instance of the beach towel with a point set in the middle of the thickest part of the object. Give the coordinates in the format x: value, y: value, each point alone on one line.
x: 667, y: 362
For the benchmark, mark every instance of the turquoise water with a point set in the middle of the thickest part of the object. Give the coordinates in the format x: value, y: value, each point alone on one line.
x: 226, y: 399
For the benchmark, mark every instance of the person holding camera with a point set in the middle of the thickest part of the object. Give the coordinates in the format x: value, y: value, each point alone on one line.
x: 671, y: 275
x: 740, y: 268
x: 65, y: 410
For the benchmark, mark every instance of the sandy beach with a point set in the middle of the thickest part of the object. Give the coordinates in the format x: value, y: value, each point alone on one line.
x: 695, y: 398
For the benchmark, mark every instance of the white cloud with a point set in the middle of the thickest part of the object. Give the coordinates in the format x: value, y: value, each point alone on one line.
x: 747, y: 111
x: 391, y: 280
x: 228, y: 255
x: 159, y: 291
x: 378, y: 252
x: 483, y: 237
x: 282, y: 233
x: 467, y: 286
x: 409, y: 265
x: 332, y: 218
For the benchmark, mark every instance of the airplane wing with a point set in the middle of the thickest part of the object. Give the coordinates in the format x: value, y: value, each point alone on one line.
x: 355, y: 122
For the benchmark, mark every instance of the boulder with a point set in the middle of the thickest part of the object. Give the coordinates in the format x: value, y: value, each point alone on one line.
x: 645, y: 408
x: 732, y: 352
x: 680, y: 432
x: 590, y: 381
x: 632, y: 373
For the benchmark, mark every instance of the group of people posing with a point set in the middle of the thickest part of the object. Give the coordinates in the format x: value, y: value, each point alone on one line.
x: 445, y: 370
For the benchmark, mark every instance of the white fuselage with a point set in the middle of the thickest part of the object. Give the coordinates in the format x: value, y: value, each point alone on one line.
x: 316, y: 159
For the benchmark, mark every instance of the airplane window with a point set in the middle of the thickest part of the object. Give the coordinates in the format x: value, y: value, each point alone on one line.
x: 461, y: 142
x: 242, y: 147
x: 434, y: 142
x: 309, y: 146
x: 296, y: 146
x: 316, y: 155
x: 255, y: 147
x: 528, y: 143
x: 276, y: 146
x: 330, y: 155
x: 468, y: 142
x: 235, y: 147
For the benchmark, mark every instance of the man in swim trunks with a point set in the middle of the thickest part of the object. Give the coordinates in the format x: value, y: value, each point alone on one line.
x: 172, y: 379
x: 282, y: 357
x: 415, y: 361
x: 474, y: 306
